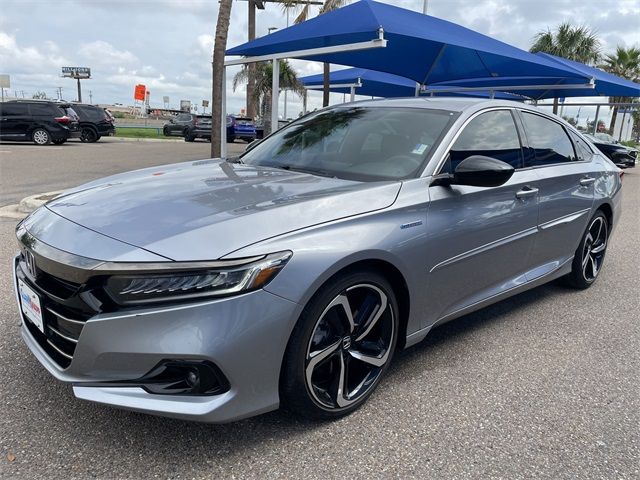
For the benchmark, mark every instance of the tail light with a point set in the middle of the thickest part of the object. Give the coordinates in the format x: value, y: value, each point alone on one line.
x: 64, y: 120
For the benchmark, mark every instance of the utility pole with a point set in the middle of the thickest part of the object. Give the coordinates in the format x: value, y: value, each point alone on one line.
x: 59, y: 93
x: 90, y: 97
x: 425, y: 6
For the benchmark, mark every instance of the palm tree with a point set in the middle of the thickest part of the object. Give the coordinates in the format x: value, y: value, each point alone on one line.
x: 262, y: 76
x: 624, y: 63
x: 576, y: 43
x: 218, y: 88
x: 303, y: 16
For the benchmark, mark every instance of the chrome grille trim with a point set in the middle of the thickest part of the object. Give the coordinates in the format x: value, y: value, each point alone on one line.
x: 65, y: 355
x: 62, y: 335
x: 77, y: 322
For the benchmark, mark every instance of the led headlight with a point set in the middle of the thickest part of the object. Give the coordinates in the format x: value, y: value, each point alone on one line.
x: 175, y: 284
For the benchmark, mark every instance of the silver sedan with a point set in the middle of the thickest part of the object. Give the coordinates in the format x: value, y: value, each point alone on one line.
x: 219, y: 289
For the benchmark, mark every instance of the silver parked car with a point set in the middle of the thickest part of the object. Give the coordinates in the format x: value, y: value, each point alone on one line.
x: 216, y: 290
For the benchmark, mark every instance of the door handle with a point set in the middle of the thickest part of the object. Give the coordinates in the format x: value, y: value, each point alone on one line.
x: 586, y: 181
x: 526, y: 192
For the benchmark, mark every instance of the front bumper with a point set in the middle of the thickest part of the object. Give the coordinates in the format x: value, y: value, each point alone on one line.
x: 244, y: 336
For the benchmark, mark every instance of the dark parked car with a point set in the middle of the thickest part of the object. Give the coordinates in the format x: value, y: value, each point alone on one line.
x: 181, y: 123
x: 240, y: 127
x: 619, y: 154
x: 200, y: 129
x: 41, y: 122
x: 95, y: 122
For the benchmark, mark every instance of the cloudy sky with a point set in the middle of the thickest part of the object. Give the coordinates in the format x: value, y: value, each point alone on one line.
x: 167, y: 44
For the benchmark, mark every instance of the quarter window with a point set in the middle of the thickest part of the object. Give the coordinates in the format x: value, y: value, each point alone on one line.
x: 42, y: 109
x: 492, y: 134
x: 549, y: 141
x: 583, y: 151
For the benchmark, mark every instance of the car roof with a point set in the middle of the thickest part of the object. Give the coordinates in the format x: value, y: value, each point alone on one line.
x: 454, y: 104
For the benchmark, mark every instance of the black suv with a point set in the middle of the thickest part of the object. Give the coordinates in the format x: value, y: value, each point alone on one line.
x: 39, y: 121
x: 181, y: 123
x: 95, y: 122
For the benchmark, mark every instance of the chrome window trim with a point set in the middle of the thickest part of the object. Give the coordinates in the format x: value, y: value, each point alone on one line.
x: 443, y: 158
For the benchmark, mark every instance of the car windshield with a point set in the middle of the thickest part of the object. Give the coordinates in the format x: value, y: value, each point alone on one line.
x: 355, y: 143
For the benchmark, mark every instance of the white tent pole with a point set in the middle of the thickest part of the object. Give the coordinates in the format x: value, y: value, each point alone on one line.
x: 275, y: 94
x: 417, y: 89
x: 223, y: 122
x: 353, y: 93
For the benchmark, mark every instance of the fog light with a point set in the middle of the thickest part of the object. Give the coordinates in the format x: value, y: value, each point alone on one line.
x: 193, y: 379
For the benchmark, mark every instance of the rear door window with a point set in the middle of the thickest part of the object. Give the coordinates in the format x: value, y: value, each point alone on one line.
x: 491, y: 134
x: 549, y: 141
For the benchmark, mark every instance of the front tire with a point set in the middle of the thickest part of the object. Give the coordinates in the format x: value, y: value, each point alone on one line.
x: 166, y: 132
x: 589, y: 257
x: 41, y: 137
x: 341, y: 346
x: 189, y: 138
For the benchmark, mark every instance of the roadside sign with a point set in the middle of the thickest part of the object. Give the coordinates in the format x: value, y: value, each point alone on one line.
x: 165, y: 99
x: 76, y: 72
x: 205, y: 103
x: 5, y: 81
x: 140, y: 92
x: 185, y: 105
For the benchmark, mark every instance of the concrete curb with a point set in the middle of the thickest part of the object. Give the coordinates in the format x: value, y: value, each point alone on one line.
x: 29, y: 204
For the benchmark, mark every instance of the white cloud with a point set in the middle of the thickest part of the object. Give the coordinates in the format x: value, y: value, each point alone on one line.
x: 102, y: 53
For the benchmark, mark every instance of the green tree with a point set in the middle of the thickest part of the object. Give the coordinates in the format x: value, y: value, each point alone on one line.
x: 303, y: 16
x: 262, y: 75
x: 625, y: 63
x: 576, y: 43
x: 218, y: 88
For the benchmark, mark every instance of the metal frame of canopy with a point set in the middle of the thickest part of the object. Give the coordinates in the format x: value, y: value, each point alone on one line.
x: 508, y: 88
x: 379, y: 42
x: 597, y: 105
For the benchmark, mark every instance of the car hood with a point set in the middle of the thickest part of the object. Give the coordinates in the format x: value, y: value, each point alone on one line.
x: 210, y: 208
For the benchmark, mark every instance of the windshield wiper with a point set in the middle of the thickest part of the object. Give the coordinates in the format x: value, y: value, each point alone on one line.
x: 312, y: 171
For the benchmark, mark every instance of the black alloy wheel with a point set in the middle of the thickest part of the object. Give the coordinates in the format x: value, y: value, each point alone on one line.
x: 341, y: 346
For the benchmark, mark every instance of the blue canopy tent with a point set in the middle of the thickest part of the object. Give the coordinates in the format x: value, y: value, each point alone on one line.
x: 361, y: 81
x: 604, y: 84
x: 420, y: 47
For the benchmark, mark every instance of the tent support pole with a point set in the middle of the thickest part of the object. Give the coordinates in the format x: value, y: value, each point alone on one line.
x: 275, y: 93
x: 352, y: 92
x: 418, y: 86
x: 223, y: 122
x: 595, y: 122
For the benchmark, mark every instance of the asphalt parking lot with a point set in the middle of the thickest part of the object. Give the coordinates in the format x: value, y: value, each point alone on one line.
x: 543, y: 385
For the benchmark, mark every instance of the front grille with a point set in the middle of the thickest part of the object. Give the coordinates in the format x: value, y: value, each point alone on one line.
x: 64, y: 313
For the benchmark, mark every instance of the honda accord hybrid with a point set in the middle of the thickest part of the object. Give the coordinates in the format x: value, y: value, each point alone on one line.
x: 219, y: 289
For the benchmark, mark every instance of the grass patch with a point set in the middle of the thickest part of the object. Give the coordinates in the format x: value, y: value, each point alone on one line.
x: 140, y: 133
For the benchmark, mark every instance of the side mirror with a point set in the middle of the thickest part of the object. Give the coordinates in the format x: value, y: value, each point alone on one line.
x: 481, y: 171
x: 477, y: 171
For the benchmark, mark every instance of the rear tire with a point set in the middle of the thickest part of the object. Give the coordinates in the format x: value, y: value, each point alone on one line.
x: 231, y: 139
x: 335, y: 360
x: 88, y: 135
x: 589, y: 257
x: 166, y: 132
x: 41, y: 137
x: 189, y: 138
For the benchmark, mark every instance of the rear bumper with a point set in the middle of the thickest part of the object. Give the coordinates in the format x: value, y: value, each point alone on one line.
x: 244, y: 336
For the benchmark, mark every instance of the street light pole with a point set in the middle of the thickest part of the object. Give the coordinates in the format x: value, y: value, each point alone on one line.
x: 425, y: 6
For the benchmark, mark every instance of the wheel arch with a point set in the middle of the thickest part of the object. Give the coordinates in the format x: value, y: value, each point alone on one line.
x: 606, y: 208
